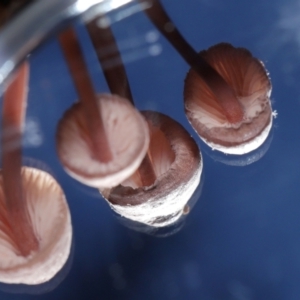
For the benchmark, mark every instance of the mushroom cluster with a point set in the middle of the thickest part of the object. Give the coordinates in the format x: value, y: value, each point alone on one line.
x: 226, y: 93
x: 145, y: 164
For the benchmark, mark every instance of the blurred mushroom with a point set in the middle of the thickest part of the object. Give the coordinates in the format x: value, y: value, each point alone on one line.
x: 102, y: 139
x: 35, y: 224
x: 236, y: 96
x: 177, y: 164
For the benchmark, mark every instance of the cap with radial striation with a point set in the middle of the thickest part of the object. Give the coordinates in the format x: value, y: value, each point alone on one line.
x: 50, y: 218
x: 128, y: 138
x: 247, y: 76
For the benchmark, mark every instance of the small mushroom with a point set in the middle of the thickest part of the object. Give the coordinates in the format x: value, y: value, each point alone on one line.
x: 102, y: 139
x: 115, y: 74
x: 128, y: 137
x: 233, y: 89
x: 177, y: 164
x: 156, y: 194
x: 35, y: 224
x: 250, y: 82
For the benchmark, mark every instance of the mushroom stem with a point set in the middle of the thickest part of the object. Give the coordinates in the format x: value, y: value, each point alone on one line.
x: 223, y: 92
x: 87, y: 95
x: 110, y: 59
x: 13, y: 116
x: 114, y: 71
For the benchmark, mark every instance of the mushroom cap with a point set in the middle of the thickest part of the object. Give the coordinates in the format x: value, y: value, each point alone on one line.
x: 51, y: 221
x: 249, y: 79
x: 178, y: 175
x: 127, y: 134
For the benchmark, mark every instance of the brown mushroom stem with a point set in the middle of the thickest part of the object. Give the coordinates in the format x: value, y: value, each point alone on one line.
x: 13, y: 115
x: 80, y: 75
x: 114, y: 71
x: 223, y: 92
x: 110, y: 59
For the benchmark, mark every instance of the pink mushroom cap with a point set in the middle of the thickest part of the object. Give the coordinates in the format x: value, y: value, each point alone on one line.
x: 247, y: 76
x: 50, y: 218
x: 128, y: 138
x: 177, y: 163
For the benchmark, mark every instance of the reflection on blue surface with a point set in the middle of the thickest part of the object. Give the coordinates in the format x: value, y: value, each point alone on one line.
x: 242, y: 240
x: 239, y: 160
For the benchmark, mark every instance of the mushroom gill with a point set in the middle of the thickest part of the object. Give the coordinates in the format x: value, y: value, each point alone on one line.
x: 224, y: 93
x: 250, y: 82
x: 225, y: 84
x: 51, y: 222
x: 35, y: 224
x: 177, y: 164
x: 102, y: 139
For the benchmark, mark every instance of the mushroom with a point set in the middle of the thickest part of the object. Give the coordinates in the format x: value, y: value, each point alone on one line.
x: 115, y: 75
x: 236, y: 96
x: 157, y: 193
x: 102, y: 139
x: 240, y: 160
x: 177, y: 164
x: 128, y: 139
x: 35, y: 223
x: 169, y: 229
x: 250, y: 82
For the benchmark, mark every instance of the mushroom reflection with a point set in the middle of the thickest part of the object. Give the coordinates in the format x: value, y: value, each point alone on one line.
x: 226, y: 92
x: 35, y: 224
x: 102, y: 139
x: 177, y: 164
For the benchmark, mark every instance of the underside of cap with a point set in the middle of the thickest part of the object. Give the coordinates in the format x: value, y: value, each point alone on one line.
x: 127, y: 134
x: 51, y: 221
x: 249, y: 79
x: 163, y: 203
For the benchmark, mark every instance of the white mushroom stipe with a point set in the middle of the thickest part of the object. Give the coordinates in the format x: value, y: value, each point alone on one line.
x: 249, y: 80
x: 177, y: 164
x: 128, y: 138
x: 51, y: 221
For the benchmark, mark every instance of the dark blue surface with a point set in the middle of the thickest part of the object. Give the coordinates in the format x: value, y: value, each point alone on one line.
x: 242, y: 239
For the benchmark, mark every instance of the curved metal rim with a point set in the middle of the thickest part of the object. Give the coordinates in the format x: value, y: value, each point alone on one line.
x: 35, y: 23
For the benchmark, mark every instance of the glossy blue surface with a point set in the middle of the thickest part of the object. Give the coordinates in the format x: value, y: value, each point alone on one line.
x: 241, y: 241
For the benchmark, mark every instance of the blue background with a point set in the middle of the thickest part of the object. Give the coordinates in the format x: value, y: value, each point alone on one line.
x: 241, y: 241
